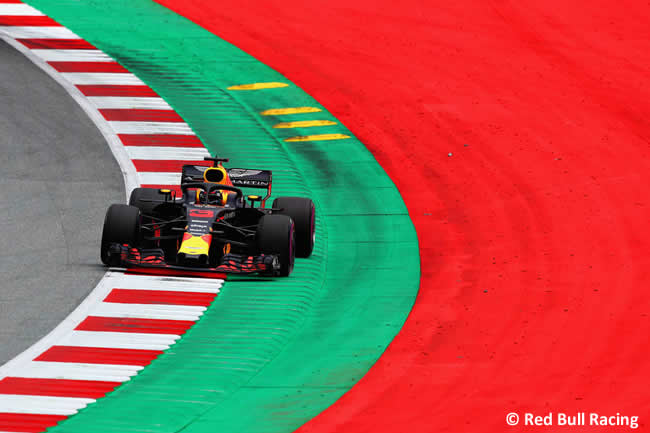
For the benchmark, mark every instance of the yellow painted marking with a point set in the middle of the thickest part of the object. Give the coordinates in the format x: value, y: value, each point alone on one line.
x: 258, y: 86
x: 304, y: 124
x: 318, y: 137
x: 290, y: 110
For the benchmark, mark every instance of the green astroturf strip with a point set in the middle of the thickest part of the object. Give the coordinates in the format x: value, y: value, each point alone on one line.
x: 267, y: 355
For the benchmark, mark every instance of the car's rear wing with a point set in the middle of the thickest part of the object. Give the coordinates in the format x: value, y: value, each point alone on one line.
x: 240, y: 177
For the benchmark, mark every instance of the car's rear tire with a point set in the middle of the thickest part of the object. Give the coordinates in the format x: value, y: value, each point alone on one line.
x: 141, y: 198
x: 303, y: 213
x: 275, y: 235
x: 122, y: 226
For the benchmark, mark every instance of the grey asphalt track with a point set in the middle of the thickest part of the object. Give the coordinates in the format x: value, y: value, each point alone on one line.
x: 57, y: 177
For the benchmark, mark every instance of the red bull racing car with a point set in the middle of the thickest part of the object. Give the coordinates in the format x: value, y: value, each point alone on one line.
x: 210, y: 226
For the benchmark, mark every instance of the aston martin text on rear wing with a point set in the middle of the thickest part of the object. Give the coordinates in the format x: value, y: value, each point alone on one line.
x: 240, y: 177
x: 250, y: 178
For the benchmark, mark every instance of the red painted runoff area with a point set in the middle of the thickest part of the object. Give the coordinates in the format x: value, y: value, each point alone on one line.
x: 517, y: 134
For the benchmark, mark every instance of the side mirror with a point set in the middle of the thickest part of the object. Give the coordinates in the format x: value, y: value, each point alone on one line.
x: 253, y: 199
x: 167, y: 193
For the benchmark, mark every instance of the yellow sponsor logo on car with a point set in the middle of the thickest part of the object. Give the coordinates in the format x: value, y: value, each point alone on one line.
x: 195, y: 244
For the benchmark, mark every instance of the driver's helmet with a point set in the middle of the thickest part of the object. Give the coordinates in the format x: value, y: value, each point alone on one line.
x: 215, y: 176
x: 203, y: 197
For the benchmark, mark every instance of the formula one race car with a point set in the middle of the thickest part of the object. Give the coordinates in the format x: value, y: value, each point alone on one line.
x: 212, y: 226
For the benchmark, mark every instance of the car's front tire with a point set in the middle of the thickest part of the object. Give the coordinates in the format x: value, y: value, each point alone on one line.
x: 146, y: 199
x: 275, y: 235
x: 121, y: 226
x: 303, y: 213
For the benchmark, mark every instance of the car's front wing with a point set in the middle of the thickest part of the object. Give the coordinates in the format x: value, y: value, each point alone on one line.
x: 127, y: 256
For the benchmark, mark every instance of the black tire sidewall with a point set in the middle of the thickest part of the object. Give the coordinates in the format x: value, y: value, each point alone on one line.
x: 121, y: 225
x: 276, y: 235
x: 303, y: 213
